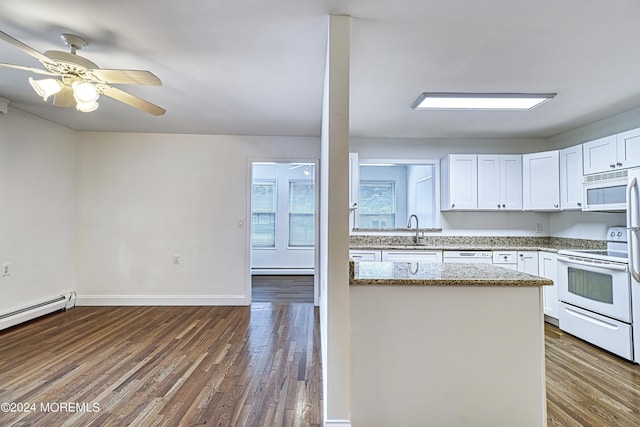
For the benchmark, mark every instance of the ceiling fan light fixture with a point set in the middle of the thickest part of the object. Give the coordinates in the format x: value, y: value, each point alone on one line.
x: 87, y: 107
x: 85, y: 92
x: 46, y: 87
x: 479, y: 101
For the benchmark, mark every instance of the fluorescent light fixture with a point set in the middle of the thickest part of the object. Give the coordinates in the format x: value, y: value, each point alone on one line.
x: 46, y: 87
x: 479, y: 101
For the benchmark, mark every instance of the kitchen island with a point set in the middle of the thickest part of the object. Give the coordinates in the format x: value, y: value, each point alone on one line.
x: 446, y: 345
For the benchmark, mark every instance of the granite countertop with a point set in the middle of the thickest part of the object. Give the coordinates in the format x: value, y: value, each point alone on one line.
x: 459, y: 243
x: 438, y: 274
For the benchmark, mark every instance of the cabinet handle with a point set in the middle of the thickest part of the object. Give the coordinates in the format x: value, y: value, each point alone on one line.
x: 555, y: 205
x: 579, y: 204
x: 453, y: 205
x: 612, y: 165
x: 504, y: 206
x: 498, y: 206
x: 619, y: 164
x: 521, y: 255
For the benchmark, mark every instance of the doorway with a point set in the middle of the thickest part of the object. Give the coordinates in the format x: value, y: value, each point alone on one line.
x: 283, y: 232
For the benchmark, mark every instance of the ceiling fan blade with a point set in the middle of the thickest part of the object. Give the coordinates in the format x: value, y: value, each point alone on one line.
x: 26, y: 49
x: 132, y: 100
x: 132, y: 77
x: 64, y: 98
x: 33, y: 70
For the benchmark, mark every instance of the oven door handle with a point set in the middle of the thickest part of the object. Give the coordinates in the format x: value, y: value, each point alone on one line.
x: 619, y: 267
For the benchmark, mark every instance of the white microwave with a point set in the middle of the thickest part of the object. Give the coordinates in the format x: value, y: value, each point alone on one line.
x: 605, y: 192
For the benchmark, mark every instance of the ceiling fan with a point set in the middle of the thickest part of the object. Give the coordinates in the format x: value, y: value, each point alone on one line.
x: 80, y: 82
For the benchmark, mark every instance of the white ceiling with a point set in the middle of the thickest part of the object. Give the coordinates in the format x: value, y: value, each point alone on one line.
x: 256, y: 67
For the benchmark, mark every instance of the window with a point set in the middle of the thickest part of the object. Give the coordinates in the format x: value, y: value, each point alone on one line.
x: 263, y: 214
x: 301, y: 213
x: 377, y: 204
x: 391, y: 190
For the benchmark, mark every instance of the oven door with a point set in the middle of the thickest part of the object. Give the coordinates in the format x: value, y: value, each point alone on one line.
x: 599, y: 288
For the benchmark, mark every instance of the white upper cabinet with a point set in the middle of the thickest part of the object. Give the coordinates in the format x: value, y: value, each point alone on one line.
x: 621, y: 151
x: 499, y: 182
x: 541, y: 181
x: 628, y: 149
x: 571, y: 177
x: 459, y: 182
x: 599, y: 155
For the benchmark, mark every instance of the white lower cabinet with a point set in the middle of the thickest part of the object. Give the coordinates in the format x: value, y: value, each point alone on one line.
x: 412, y: 255
x: 365, y: 255
x: 528, y: 262
x: 506, y: 259
x: 548, y: 268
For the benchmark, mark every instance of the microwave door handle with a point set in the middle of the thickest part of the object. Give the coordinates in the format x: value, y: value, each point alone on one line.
x: 632, y: 229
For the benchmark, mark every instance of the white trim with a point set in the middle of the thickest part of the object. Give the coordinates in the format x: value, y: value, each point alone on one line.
x: 281, y: 271
x: 160, y: 300
x: 337, y: 423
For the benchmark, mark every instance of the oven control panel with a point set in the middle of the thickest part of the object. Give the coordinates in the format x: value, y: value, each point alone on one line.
x: 617, y: 234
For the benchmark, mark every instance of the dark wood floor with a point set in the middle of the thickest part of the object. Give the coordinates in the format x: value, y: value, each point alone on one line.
x: 282, y: 288
x: 165, y: 366
x: 587, y: 386
x: 237, y: 366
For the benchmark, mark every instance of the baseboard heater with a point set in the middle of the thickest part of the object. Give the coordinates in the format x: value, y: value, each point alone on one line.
x: 31, y: 312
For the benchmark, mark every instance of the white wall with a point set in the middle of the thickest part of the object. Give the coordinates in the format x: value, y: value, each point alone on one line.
x: 37, y: 209
x: 144, y: 197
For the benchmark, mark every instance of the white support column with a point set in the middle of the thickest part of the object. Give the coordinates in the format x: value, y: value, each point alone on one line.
x: 334, y: 227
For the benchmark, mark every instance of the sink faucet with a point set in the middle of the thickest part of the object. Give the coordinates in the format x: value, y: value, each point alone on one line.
x: 416, y: 239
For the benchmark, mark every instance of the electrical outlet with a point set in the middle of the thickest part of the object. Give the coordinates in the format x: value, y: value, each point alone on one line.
x: 6, y: 271
x: 176, y: 259
x: 538, y: 227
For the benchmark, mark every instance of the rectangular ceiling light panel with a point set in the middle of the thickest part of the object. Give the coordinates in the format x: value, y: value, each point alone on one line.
x: 479, y: 101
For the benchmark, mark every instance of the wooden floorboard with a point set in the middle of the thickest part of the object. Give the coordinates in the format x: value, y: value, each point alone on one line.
x: 165, y: 366
x: 237, y: 366
x: 587, y: 386
x: 282, y: 288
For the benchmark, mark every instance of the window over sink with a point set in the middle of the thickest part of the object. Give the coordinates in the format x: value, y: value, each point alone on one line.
x: 392, y: 190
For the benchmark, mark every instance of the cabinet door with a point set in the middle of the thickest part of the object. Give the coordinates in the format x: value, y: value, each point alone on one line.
x: 489, y: 182
x: 541, y: 181
x: 628, y: 149
x: 459, y: 182
x: 548, y: 268
x: 571, y: 178
x: 528, y: 262
x: 408, y: 256
x: 511, y: 182
x: 599, y: 155
x: 365, y: 255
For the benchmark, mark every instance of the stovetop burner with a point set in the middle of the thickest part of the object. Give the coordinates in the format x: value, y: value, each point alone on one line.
x: 616, y: 248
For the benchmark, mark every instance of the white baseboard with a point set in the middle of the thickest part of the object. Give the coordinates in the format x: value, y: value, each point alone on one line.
x: 281, y: 271
x: 150, y: 300
x: 337, y: 423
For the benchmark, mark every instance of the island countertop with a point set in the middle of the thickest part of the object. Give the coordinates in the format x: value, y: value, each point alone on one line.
x: 438, y: 274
